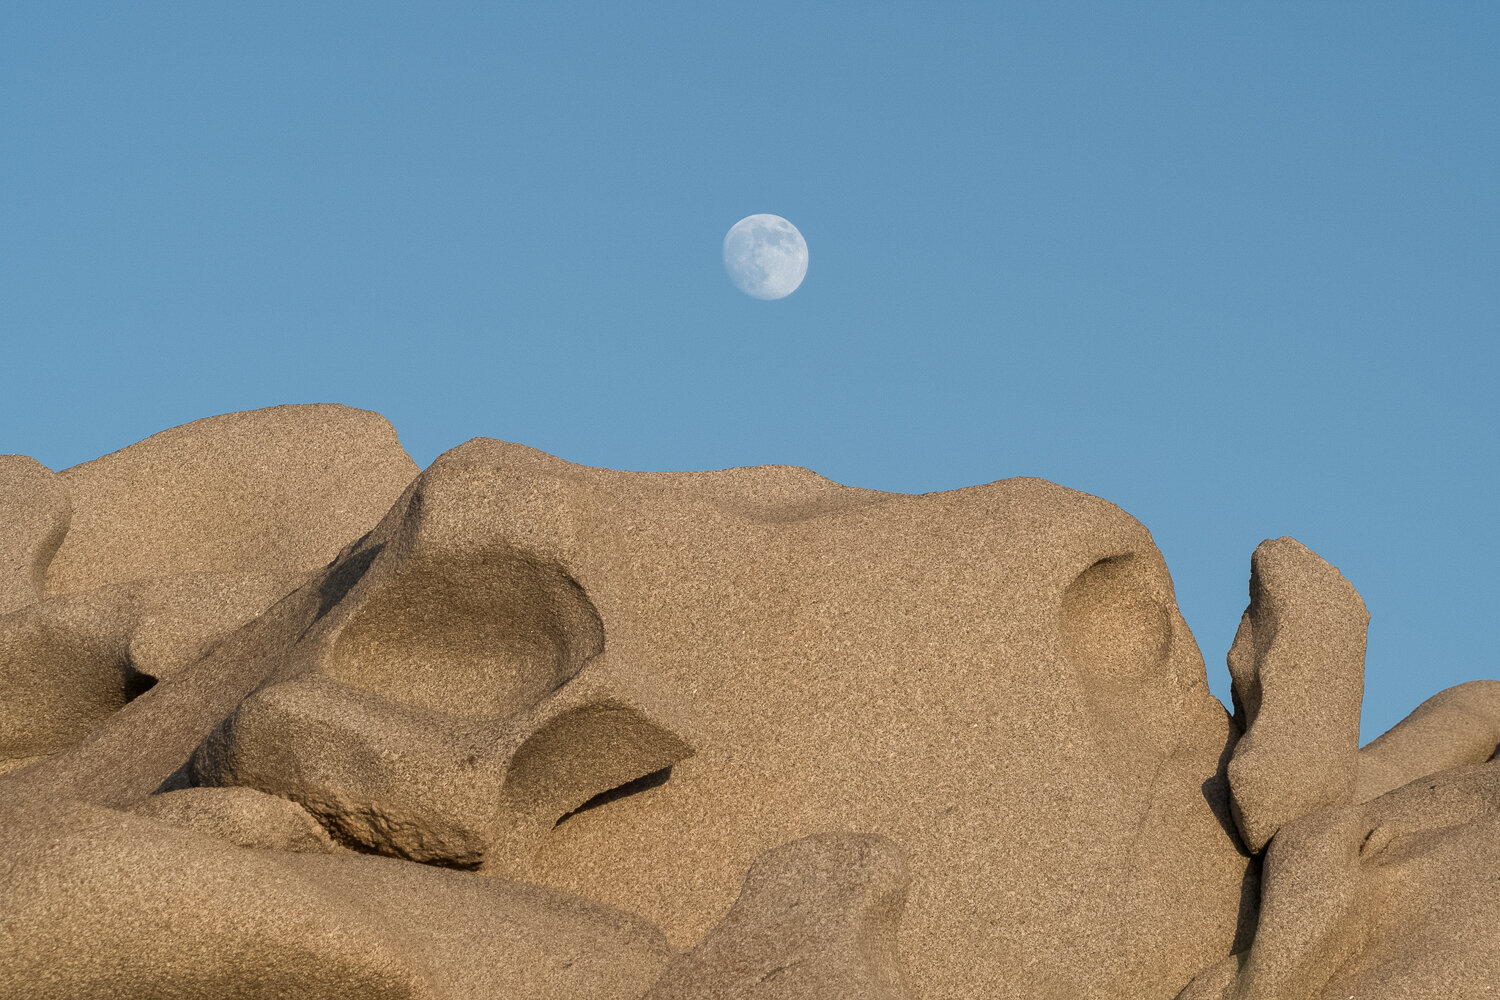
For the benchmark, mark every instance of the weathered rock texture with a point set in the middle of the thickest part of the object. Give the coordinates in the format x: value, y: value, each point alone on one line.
x: 157, y: 910
x: 241, y: 816
x: 1396, y: 897
x: 280, y: 716
x: 816, y: 918
x: 281, y: 489
x: 1297, y: 665
x: 1454, y: 727
x: 118, y: 572
x: 34, y: 511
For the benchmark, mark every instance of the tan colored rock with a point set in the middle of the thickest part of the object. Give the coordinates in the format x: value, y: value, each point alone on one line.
x: 432, y: 706
x: 180, y: 617
x: 414, y: 784
x: 1297, y: 666
x: 68, y: 662
x: 1390, y: 898
x: 241, y: 816
x: 155, y: 910
x: 172, y: 544
x: 1430, y: 903
x: 275, y: 490
x: 1454, y: 727
x: 63, y: 669
x: 910, y: 666
x: 817, y: 918
x: 34, y: 514
x: 996, y: 679
x: 144, y: 746
x: 633, y: 705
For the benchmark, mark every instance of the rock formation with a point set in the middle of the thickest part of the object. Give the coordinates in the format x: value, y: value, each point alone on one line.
x: 1297, y: 665
x: 282, y: 715
x: 35, y: 511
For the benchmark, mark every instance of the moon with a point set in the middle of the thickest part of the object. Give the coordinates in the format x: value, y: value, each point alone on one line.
x: 765, y: 256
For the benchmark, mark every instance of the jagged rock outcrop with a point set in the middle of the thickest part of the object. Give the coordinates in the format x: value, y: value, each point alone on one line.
x: 279, y: 716
x: 1395, y: 897
x: 1363, y: 891
x: 1298, y: 679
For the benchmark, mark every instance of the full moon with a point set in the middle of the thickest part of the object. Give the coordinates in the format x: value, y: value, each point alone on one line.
x: 765, y: 256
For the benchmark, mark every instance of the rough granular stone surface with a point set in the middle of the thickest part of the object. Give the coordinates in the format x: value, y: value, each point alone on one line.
x: 283, y: 715
x: 1298, y: 669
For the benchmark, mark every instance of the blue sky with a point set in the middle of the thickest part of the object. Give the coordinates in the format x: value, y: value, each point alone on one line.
x: 1234, y: 268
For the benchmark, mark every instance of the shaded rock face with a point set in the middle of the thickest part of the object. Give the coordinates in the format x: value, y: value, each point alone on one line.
x: 161, y: 910
x: 1395, y: 897
x: 68, y: 662
x: 118, y: 572
x: 516, y: 727
x: 432, y: 707
x: 35, y: 510
x: 241, y: 816
x: 816, y: 918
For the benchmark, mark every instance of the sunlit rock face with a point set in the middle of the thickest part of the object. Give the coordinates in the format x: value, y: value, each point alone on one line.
x: 996, y: 679
x: 516, y: 727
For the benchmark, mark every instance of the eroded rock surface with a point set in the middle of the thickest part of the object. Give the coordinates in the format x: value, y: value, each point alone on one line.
x: 435, y: 704
x: 158, y: 910
x: 120, y: 571
x: 281, y: 489
x: 34, y: 513
x: 1454, y: 727
x: 1298, y: 679
x: 282, y: 717
x: 241, y: 816
x: 850, y: 660
x: 69, y: 661
x: 816, y: 918
x: 1395, y: 897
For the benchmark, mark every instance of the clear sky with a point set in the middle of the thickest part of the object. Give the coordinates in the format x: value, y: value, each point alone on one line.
x: 1233, y: 267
